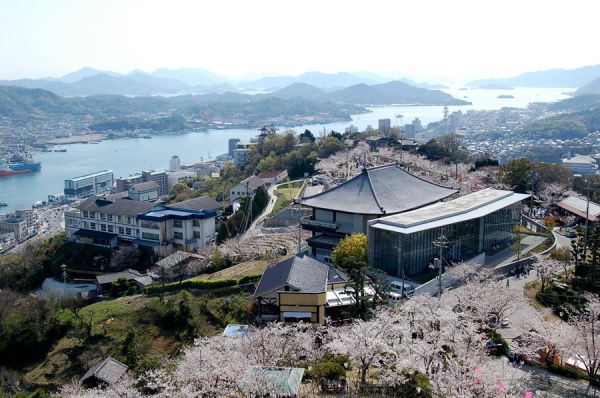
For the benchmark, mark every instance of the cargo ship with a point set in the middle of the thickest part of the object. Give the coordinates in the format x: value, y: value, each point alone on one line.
x: 20, y: 162
x: 7, y: 171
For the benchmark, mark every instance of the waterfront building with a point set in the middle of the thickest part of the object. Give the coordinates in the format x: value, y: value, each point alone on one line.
x: 174, y: 163
x: 159, y: 177
x: 15, y: 226
x: 384, y: 126
x: 582, y: 165
x: 231, y: 145
x: 374, y: 193
x: 245, y: 188
x: 111, y: 222
x: 476, y: 224
x: 89, y: 184
x: 302, y: 289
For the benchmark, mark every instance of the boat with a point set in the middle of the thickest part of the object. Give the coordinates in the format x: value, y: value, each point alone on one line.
x: 31, y: 166
x: 8, y: 172
x: 60, y: 150
x: 3, y: 203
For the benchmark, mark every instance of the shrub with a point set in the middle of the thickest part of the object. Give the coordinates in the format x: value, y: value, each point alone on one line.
x: 565, y: 371
x: 201, y: 284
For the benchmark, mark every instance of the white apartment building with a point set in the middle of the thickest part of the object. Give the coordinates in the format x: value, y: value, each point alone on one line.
x: 111, y: 222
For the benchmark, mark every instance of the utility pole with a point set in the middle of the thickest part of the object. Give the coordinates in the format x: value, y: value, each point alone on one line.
x: 587, y: 217
x: 441, y: 243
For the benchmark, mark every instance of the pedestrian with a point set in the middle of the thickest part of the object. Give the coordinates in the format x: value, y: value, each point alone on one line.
x: 507, y: 282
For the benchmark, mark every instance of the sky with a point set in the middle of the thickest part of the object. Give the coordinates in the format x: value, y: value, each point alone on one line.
x: 439, y: 41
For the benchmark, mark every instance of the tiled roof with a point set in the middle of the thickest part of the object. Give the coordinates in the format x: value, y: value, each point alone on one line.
x: 200, y: 203
x: 252, y: 182
x: 128, y: 274
x: 125, y: 207
x: 177, y: 258
x: 145, y: 186
x: 378, y: 191
x: 304, y: 274
x: 271, y: 174
x: 109, y: 371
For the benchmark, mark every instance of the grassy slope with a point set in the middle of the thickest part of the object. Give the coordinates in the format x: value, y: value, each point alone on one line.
x: 285, y: 195
x: 111, y: 322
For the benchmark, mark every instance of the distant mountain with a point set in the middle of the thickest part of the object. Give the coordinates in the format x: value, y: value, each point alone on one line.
x: 592, y: 87
x: 82, y: 73
x: 318, y: 79
x: 104, y: 83
x: 299, y: 90
x: 549, y: 78
x: 395, y: 92
x: 191, y: 76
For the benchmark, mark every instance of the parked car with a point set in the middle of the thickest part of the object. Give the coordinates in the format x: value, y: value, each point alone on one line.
x: 505, y: 322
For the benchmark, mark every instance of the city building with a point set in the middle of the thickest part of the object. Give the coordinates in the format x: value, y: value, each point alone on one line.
x: 174, y: 163
x: 175, y: 177
x: 20, y: 225
x: 245, y: 188
x: 159, y: 177
x: 15, y: 226
x: 302, y: 289
x: 164, y: 229
x: 582, y: 165
x: 273, y: 177
x: 374, y: 193
x: 384, y: 126
x: 241, y: 153
x: 231, y: 145
x: 478, y: 223
x: 143, y: 191
x: 89, y: 184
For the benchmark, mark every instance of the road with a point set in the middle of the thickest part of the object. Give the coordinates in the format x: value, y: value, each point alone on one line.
x: 544, y: 383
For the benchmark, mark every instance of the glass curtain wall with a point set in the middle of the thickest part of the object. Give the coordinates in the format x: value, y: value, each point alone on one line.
x: 415, y: 252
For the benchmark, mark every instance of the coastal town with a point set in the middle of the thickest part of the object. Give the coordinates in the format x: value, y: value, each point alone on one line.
x: 322, y: 246
x: 295, y: 200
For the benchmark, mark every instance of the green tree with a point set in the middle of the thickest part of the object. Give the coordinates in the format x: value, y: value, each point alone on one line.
x: 329, y: 146
x: 307, y: 136
x: 223, y: 233
x: 516, y: 174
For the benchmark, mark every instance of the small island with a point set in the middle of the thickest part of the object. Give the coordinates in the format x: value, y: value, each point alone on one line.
x: 505, y: 96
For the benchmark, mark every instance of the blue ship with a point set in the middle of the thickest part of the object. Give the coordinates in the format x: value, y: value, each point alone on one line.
x: 33, y: 166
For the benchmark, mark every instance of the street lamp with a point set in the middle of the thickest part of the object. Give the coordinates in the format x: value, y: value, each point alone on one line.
x: 441, y: 243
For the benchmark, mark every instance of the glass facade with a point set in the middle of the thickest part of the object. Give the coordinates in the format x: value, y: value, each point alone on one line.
x: 390, y: 251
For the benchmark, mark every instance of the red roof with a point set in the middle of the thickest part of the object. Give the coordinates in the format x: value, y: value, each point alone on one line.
x: 271, y: 174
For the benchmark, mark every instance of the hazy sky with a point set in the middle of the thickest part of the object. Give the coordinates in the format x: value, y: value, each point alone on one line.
x: 432, y: 40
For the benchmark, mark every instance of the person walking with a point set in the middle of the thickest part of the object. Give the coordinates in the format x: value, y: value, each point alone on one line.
x: 507, y: 282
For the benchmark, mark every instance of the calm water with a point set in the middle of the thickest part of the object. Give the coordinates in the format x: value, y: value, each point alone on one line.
x: 126, y: 157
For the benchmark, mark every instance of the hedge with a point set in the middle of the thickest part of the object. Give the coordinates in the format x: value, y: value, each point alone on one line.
x: 201, y: 284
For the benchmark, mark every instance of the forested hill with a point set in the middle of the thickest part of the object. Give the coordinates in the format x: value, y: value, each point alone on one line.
x: 18, y: 102
x: 565, y: 126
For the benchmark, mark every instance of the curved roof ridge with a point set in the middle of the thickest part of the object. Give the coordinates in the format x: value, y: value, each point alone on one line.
x: 374, y: 192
